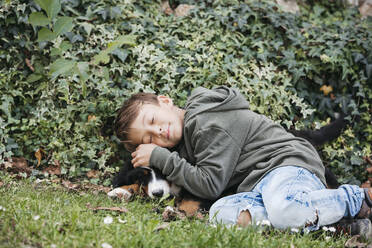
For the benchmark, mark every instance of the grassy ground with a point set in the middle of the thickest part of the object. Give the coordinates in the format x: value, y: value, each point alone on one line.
x: 47, y: 215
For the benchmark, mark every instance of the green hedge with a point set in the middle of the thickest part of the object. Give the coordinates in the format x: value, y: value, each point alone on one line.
x: 67, y: 65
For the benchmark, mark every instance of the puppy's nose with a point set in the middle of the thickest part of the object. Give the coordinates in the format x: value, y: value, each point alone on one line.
x: 158, y: 193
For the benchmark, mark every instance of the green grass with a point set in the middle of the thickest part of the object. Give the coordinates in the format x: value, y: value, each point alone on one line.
x: 65, y: 221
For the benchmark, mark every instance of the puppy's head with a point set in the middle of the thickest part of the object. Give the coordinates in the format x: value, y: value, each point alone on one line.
x: 150, y: 180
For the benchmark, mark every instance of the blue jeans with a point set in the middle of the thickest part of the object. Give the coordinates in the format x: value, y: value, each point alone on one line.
x: 290, y: 197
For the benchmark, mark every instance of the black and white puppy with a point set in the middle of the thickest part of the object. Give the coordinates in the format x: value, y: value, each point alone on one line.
x: 146, y: 180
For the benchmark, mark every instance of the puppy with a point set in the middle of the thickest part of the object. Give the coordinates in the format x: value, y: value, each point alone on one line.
x: 142, y: 180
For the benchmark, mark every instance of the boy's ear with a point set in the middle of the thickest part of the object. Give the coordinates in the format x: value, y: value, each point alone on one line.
x: 165, y: 100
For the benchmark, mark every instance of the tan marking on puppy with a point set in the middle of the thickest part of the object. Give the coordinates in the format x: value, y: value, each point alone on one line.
x: 190, y: 207
x: 133, y: 188
x: 145, y: 189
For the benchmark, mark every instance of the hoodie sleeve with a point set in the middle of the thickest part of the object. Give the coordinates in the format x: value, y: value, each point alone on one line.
x: 216, y: 154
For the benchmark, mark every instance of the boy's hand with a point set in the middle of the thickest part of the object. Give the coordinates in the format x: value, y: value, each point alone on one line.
x: 141, y: 157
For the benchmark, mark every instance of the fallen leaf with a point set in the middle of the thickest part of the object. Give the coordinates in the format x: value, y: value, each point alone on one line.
x: 53, y: 170
x: 70, y: 185
x: 171, y: 213
x: 116, y: 209
x: 166, y: 8
x: 39, y: 156
x: 56, y: 180
x: 1, y: 183
x: 56, y: 163
x: 92, y: 174
x: 326, y: 89
x: 353, y: 242
x: 289, y: 5
x: 99, y: 188
x: 28, y: 63
x: 199, y: 216
x: 183, y: 10
x: 17, y: 165
x: 92, y: 117
x: 162, y: 226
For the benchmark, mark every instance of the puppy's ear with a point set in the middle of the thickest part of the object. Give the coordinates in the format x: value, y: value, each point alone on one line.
x: 121, y: 178
x: 138, y: 175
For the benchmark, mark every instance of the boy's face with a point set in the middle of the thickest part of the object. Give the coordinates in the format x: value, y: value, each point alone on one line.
x: 160, y: 125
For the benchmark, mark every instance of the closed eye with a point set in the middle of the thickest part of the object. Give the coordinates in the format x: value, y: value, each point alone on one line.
x: 152, y: 122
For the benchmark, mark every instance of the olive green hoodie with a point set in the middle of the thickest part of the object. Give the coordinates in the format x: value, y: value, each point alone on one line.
x: 226, y: 145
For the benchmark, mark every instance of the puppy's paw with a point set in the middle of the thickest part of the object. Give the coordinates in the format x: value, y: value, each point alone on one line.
x: 120, y: 193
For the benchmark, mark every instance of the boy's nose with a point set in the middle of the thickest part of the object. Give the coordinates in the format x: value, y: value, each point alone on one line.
x: 162, y: 131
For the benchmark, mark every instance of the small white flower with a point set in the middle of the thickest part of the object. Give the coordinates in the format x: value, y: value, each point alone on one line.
x: 36, y: 217
x: 53, y: 246
x: 295, y: 230
x: 327, y: 238
x: 122, y: 221
x: 2, y: 208
x: 263, y: 223
x: 37, y: 181
x: 332, y: 229
x: 106, y: 245
x: 108, y: 220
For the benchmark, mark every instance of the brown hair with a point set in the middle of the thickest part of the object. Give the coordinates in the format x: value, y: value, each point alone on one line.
x: 128, y: 113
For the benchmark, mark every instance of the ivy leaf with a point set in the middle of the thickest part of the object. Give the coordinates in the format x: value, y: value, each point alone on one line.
x: 34, y: 77
x: 356, y: 160
x: 38, y: 19
x: 83, y: 68
x: 61, y: 67
x: 103, y: 56
x: 45, y: 34
x: 121, y: 54
x: 51, y: 7
x: 87, y: 27
x: 63, y: 25
x: 369, y: 70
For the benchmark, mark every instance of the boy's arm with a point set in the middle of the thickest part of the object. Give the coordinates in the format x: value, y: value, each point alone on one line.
x: 216, y: 154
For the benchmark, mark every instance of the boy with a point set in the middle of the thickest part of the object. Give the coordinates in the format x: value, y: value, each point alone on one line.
x: 216, y: 143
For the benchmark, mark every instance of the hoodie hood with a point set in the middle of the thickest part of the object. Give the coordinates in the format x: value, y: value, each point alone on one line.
x: 220, y: 99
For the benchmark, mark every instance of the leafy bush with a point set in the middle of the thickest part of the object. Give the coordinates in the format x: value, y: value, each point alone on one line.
x: 66, y: 66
